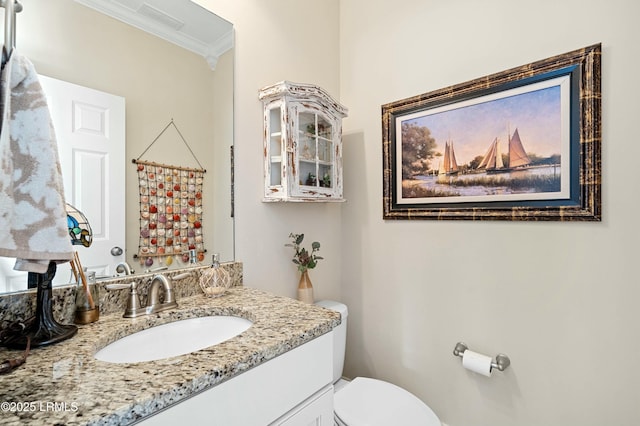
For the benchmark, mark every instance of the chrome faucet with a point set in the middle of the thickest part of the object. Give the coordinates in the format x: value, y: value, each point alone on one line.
x: 124, y: 268
x: 154, y: 303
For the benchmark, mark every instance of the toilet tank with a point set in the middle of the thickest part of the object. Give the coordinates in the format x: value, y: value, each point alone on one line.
x: 339, y: 336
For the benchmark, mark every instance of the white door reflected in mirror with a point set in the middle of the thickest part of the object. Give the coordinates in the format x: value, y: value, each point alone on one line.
x: 90, y: 131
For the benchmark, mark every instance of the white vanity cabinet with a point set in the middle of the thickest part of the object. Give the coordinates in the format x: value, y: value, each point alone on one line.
x: 302, y: 143
x: 293, y: 389
x: 315, y: 411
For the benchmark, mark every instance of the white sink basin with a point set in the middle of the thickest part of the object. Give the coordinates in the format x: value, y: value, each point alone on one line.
x: 173, y: 339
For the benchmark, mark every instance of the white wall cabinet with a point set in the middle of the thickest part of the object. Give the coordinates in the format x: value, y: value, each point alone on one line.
x: 302, y: 143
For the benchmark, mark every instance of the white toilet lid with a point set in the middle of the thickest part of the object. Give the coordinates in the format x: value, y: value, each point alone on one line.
x: 373, y: 402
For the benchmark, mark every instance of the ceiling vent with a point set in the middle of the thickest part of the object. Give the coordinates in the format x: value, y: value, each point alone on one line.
x: 161, y: 17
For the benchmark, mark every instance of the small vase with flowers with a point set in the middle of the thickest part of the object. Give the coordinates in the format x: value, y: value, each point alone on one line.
x: 304, y: 260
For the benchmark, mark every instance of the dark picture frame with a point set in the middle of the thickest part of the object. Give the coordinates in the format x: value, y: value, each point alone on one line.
x: 521, y: 145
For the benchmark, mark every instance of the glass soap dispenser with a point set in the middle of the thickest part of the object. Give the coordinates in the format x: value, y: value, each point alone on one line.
x: 215, y: 281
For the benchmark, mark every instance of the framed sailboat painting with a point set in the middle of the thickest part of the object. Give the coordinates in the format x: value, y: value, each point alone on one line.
x: 522, y: 144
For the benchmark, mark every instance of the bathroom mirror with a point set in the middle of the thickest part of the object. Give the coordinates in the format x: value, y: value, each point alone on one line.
x: 160, y: 80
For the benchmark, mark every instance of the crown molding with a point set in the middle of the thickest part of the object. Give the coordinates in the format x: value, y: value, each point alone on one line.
x: 180, y: 22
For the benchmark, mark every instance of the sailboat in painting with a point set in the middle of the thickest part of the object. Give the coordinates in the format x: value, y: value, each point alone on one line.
x: 518, y: 158
x: 517, y: 155
x: 449, y: 166
x: 492, y: 160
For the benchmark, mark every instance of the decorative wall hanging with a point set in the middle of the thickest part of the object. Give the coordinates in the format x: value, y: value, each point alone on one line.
x: 170, y: 210
x: 522, y: 144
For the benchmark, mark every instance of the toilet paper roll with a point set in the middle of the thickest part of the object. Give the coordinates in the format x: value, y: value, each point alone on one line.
x: 477, y: 362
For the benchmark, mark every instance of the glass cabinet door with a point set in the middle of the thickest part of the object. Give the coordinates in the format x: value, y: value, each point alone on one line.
x: 275, y: 147
x: 315, y: 154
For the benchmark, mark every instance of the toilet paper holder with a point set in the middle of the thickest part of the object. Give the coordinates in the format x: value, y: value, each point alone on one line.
x: 501, y: 362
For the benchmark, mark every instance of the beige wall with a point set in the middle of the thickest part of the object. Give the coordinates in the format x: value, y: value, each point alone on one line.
x: 276, y: 40
x: 71, y: 42
x: 559, y: 299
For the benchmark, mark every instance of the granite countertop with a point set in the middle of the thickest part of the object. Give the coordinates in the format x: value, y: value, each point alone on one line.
x: 65, y: 385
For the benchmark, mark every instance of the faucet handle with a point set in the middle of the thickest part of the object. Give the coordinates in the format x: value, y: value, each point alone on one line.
x: 181, y: 276
x: 117, y: 286
x: 134, y: 307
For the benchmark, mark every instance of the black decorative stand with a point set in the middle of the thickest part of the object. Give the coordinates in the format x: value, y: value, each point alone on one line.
x: 44, y: 330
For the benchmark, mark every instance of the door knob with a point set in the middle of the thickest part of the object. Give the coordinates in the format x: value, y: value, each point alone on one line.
x: 116, y: 251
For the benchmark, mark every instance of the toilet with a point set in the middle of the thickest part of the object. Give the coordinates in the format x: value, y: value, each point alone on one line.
x: 364, y: 401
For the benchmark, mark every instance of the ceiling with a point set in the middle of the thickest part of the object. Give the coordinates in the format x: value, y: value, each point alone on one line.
x: 181, y: 22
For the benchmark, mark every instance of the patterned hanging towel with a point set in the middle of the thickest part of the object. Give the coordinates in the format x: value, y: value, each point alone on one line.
x: 33, y: 220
